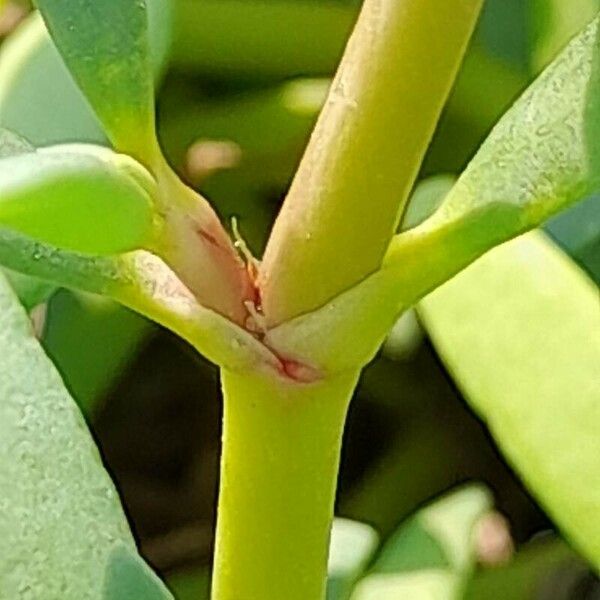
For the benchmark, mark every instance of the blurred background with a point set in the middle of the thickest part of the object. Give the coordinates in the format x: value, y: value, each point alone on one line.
x: 237, y: 98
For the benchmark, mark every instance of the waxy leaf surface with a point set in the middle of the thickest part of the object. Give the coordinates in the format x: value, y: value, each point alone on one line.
x: 61, y: 516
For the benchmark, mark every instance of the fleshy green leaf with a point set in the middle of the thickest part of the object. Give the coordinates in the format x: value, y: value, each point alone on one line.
x: 431, y: 556
x: 61, y: 516
x: 351, y: 547
x: 82, y: 198
x: 105, y: 46
x: 39, y: 99
x: 554, y: 23
x: 519, y: 332
x: 128, y: 577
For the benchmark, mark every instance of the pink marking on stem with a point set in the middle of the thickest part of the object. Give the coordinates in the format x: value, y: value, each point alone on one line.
x: 211, y: 239
x: 257, y: 297
x: 298, y: 371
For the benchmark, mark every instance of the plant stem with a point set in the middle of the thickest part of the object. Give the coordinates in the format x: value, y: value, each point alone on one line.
x: 364, y: 155
x: 281, y: 449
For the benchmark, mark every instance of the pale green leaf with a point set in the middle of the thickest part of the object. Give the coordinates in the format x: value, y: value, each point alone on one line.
x: 554, y: 23
x: 61, y: 516
x: 519, y: 332
x: 541, y: 157
x: 105, y: 46
x: 82, y: 198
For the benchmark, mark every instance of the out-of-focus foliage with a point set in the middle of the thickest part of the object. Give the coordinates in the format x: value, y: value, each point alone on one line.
x: 545, y: 568
x: 352, y: 547
x: 431, y: 555
x: 577, y: 231
x: 533, y: 375
x: 108, y: 334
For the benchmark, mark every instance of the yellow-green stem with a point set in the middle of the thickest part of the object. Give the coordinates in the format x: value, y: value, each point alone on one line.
x: 281, y: 449
x: 365, y: 153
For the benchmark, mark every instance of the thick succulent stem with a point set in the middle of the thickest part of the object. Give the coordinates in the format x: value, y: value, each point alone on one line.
x: 364, y: 155
x: 281, y: 449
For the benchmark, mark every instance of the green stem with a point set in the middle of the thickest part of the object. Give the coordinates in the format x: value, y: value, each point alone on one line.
x: 281, y: 449
x: 348, y: 194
